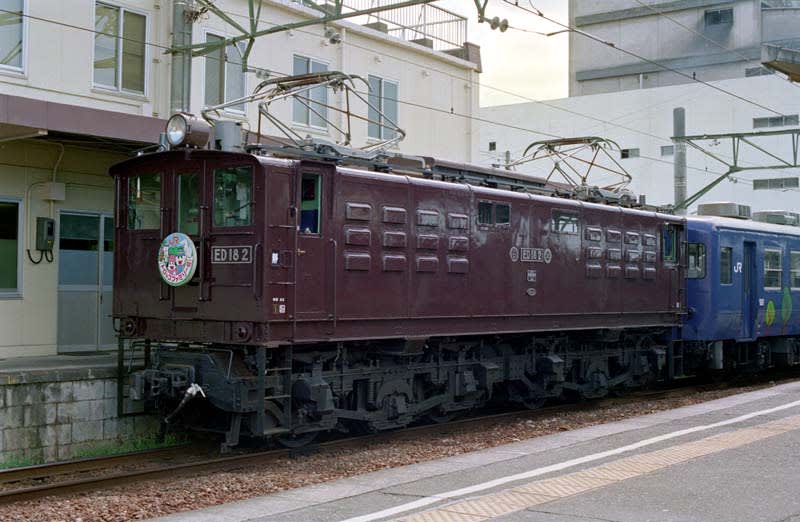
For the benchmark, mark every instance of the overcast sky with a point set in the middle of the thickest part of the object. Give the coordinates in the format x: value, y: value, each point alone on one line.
x: 523, y: 63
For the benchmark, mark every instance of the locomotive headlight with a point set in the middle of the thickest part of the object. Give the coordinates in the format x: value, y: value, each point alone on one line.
x: 185, y: 129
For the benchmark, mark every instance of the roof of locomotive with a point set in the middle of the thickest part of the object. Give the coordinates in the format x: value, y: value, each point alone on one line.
x: 717, y: 222
x: 270, y: 160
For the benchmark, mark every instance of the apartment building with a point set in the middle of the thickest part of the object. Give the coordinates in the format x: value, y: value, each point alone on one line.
x: 84, y: 83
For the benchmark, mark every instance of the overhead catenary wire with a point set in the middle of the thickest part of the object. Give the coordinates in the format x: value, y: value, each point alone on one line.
x: 662, y: 14
x: 405, y: 102
x: 536, y: 12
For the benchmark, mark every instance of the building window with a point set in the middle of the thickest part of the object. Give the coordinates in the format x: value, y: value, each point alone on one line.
x: 775, y: 121
x: 725, y: 265
x: 773, y: 269
x: 10, y: 247
x: 12, y: 38
x: 696, y: 254
x: 383, y: 98
x: 225, y: 80
x: 795, y: 260
x: 119, y: 48
x: 492, y: 146
x: 776, y: 184
x: 311, y: 108
x: 629, y: 153
x: 668, y: 150
x: 717, y: 17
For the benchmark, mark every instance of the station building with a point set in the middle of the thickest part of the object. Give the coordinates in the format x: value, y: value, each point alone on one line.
x: 85, y: 84
x: 631, y: 101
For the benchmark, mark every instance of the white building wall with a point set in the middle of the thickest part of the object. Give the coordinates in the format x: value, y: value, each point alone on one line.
x: 438, y: 96
x: 59, y: 68
x: 643, y: 119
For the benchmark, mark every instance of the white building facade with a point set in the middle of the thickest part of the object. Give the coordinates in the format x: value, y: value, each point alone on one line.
x: 84, y: 83
x: 631, y: 101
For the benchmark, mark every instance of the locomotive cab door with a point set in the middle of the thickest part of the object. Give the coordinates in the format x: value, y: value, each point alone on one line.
x: 316, y: 248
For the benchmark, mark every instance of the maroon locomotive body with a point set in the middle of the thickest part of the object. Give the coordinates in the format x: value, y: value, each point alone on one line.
x: 329, y: 296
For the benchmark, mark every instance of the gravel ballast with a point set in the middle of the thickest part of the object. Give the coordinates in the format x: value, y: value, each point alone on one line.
x: 155, y: 498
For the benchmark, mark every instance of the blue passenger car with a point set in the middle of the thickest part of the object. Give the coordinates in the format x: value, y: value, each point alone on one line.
x: 743, y: 291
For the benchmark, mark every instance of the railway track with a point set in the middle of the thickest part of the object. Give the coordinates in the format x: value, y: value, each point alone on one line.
x: 41, y: 480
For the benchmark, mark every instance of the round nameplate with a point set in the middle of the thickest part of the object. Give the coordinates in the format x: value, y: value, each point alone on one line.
x: 177, y: 259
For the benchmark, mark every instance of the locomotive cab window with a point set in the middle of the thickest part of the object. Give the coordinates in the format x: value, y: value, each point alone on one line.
x: 484, y: 213
x: 565, y: 223
x: 502, y: 214
x: 773, y: 269
x: 725, y: 265
x: 670, y: 243
x: 233, y: 197
x: 310, y: 203
x: 144, y: 202
x: 189, y: 203
x: 696, y: 259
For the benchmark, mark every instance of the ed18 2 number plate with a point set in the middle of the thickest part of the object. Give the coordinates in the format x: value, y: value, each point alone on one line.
x: 232, y: 254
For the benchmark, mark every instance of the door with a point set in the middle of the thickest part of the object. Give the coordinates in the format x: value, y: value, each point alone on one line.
x: 748, y: 290
x: 85, y: 278
x: 315, y: 249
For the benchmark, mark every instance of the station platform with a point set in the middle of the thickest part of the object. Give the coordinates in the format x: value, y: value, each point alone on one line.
x: 733, y: 459
x: 48, y: 368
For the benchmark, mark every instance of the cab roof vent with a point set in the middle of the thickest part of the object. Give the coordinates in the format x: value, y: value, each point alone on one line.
x: 724, y: 209
x: 777, y: 217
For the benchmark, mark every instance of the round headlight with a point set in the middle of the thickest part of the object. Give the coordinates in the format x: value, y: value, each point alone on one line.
x: 187, y: 130
x: 176, y: 130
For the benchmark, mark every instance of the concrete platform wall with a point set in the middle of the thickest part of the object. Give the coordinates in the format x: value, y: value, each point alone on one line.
x: 61, y: 414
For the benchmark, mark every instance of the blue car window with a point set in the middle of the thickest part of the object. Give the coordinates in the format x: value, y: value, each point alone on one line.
x: 725, y: 265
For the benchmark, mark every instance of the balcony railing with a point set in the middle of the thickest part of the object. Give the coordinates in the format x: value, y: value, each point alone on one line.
x: 425, y: 24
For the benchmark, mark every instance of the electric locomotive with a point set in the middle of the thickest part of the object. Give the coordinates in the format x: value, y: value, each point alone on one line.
x: 282, y: 292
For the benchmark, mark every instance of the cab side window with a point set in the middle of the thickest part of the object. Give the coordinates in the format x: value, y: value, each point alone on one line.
x: 144, y: 202
x: 310, y: 203
x: 725, y: 265
x: 696, y: 254
x: 670, y: 243
x: 233, y: 197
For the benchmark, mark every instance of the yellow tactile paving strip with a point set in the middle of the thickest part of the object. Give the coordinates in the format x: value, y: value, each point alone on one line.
x: 539, y: 492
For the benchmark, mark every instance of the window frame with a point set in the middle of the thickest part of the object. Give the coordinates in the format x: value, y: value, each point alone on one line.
x: 213, y: 203
x: 792, y: 271
x: 701, y: 254
x: 381, y: 109
x: 311, y: 61
x: 18, y: 292
x: 629, y: 153
x: 22, y: 69
x: 574, y: 214
x: 728, y: 273
x: 765, y: 269
x: 232, y: 109
x: 719, y: 13
x: 674, y: 256
x: 146, y: 59
x: 128, y: 179
x: 319, y: 199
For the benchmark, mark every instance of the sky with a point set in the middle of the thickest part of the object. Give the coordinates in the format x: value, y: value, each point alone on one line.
x: 526, y: 64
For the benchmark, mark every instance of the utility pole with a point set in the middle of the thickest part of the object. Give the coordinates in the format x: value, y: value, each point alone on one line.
x: 679, y: 170
x: 180, y: 87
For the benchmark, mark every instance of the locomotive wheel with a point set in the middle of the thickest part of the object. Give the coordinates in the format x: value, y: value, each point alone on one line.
x: 297, y: 441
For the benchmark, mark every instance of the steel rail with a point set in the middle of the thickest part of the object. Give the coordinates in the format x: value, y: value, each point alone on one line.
x: 250, y: 459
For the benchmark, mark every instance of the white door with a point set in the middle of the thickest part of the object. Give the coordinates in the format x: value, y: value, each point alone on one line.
x: 85, y: 278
